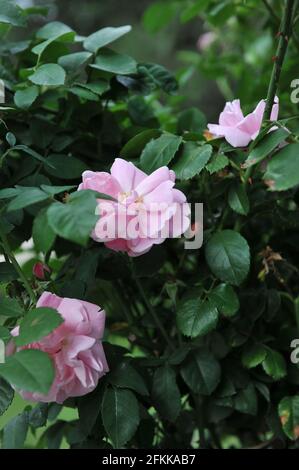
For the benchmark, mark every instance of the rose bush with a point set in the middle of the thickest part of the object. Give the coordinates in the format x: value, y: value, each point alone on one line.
x: 196, y: 351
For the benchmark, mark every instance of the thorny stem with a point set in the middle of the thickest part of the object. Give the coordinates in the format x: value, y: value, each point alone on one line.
x: 284, y: 36
x: 151, y: 310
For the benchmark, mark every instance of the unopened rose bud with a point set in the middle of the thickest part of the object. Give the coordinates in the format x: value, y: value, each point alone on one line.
x: 40, y: 270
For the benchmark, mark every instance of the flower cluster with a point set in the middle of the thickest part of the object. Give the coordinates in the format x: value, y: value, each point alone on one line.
x: 75, y: 348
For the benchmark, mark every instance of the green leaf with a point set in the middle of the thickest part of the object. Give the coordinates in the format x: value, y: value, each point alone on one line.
x: 125, y: 376
x: 283, y: 169
x: 238, y: 199
x: 120, y: 414
x: 25, y: 98
x: 5, y: 335
x: 156, y: 76
x: 196, y: 317
x: 193, y: 10
x: 98, y: 87
x: 158, y: 15
x: 42, y: 233
x: 254, y: 355
x: 40, y: 48
x: 83, y: 93
x: 113, y: 62
x: 288, y: 410
x: 39, y: 415
x: 266, y: 146
x: 225, y: 299
x: 228, y: 256
x: 32, y: 153
x: 15, y: 432
x: 27, y: 197
x: 30, y: 370
x: 274, y: 364
x: 53, y: 29
x: 53, y: 190
x: 76, y: 219
x: 10, y: 307
x: 135, y: 145
x: 48, y: 75
x: 217, y: 163
x: 7, y: 272
x: 75, y: 61
x: 192, y: 161
x: 6, y: 396
x: 192, y: 120
x: 159, y: 152
x: 103, y: 37
x: 89, y: 408
x: 65, y: 167
x: 201, y: 372
x: 10, y: 139
x: 165, y: 393
x: 11, y: 13
x: 37, y: 324
x: 246, y: 400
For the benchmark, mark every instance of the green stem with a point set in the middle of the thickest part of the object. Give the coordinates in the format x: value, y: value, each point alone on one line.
x: 9, y: 255
x: 284, y: 36
x: 199, y: 420
x: 151, y: 310
x: 271, y: 11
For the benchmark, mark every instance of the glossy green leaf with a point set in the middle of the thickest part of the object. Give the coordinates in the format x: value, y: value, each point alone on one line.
x: 113, y: 62
x: 225, y: 299
x: 10, y: 307
x: 37, y: 324
x: 104, y: 36
x: 165, y: 393
x: 192, y: 161
x: 6, y: 396
x: 283, y: 169
x: 30, y: 370
x: 76, y: 219
x: 25, y: 98
x: 120, y: 414
x: 238, y: 199
x: 48, y: 75
x: 228, y: 256
x: 288, y: 410
x: 196, y: 317
x: 159, y: 152
x: 201, y: 372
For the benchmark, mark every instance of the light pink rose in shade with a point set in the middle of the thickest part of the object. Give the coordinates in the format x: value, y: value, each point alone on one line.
x: 238, y: 130
x: 146, y: 209
x: 205, y: 40
x: 75, y: 348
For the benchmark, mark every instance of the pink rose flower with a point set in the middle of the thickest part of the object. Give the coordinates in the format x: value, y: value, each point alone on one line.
x: 205, y: 40
x: 147, y: 208
x: 41, y: 270
x: 75, y: 348
x: 238, y: 130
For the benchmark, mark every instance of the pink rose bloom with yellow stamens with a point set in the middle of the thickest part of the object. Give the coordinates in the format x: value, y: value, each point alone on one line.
x: 238, y: 130
x: 75, y: 348
x: 145, y: 210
